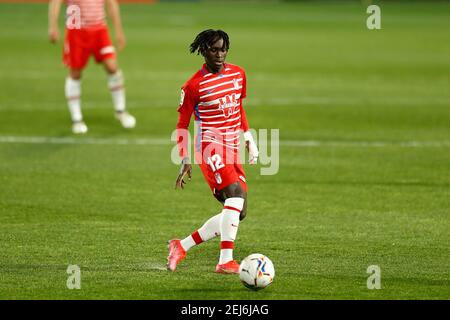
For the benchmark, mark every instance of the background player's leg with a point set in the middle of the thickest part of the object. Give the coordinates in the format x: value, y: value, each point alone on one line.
x: 117, y: 89
x: 73, y: 96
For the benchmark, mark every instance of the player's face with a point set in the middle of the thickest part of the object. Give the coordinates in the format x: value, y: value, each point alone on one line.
x: 215, y: 56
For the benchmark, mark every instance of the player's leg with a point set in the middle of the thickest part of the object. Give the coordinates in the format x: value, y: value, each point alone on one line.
x: 225, y: 176
x: 105, y: 53
x: 221, y: 196
x: 179, y: 248
x: 117, y: 88
x: 209, y: 230
x: 235, y: 197
x: 212, y: 228
x: 73, y: 96
x: 75, y: 57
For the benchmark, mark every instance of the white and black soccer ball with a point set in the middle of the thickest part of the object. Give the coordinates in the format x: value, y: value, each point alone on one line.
x: 256, y: 271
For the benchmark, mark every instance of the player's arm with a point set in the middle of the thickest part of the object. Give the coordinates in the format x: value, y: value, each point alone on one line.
x: 54, y: 8
x: 184, y: 117
x: 114, y: 14
x: 250, y: 144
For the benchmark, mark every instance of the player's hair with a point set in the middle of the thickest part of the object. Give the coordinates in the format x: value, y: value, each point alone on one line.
x: 207, y: 38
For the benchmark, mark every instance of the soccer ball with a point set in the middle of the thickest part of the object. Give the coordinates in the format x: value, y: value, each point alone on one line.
x: 256, y: 271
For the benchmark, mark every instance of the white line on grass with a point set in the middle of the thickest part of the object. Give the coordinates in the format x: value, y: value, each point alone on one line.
x: 167, y: 141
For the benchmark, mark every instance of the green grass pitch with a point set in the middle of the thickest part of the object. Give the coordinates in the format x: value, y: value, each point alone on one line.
x: 370, y: 188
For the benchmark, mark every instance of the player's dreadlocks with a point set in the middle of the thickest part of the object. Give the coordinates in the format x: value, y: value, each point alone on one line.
x: 207, y: 38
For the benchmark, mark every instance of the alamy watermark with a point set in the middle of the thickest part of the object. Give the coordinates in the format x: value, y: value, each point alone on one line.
x: 74, y: 279
x: 208, y: 147
x: 73, y: 17
x: 374, y: 280
x: 373, y: 22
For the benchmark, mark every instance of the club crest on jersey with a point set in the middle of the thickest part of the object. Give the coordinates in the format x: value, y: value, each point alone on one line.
x: 227, y: 104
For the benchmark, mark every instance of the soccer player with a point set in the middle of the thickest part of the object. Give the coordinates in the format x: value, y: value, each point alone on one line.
x: 214, y: 94
x: 86, y: 35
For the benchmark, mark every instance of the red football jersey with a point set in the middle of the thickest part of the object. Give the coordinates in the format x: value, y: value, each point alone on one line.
x: 216, y: 101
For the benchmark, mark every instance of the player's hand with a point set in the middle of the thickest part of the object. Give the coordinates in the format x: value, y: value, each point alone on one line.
x: 53, y: 35
x: 186, y: 169
x: 252, y: 148
x: 121, y: 41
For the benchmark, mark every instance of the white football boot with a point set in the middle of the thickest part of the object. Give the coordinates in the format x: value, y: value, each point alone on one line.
x: 79, y: 127
x: 126, y: 120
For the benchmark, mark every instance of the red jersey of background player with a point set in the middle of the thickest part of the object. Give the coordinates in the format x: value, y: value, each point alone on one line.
x: 216, y: 101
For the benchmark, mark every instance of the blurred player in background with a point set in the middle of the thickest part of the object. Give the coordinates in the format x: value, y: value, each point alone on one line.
x: 87, y: 34
x: 214, y: 94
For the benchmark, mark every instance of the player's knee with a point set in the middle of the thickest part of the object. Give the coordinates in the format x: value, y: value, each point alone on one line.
x: 111, y: 70
x: 115, y: 80
x: 75, y: 74
x: 238, y: 203
x: 234, y: 190
x: 111, y: 66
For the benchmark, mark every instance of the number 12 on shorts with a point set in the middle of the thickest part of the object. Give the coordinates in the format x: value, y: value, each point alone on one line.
x: 215, y: 162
